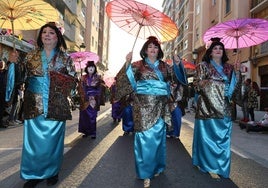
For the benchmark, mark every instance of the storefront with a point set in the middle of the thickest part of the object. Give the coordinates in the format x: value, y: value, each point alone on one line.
x: 6, y: 45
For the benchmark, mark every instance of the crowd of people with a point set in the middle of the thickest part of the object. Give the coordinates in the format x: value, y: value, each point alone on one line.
x: 11, y: 89
x: 150, y: 96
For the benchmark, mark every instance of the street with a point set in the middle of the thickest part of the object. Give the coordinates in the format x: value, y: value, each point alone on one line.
x: 108, y: 161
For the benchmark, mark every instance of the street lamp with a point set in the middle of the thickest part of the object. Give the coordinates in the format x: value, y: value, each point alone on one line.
x: 82, y: 47
x: 195, y: 55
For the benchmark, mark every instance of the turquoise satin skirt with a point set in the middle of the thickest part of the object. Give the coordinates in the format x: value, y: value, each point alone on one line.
x: 43, y: 147
x: 150, y: 151
x: 212, y: 146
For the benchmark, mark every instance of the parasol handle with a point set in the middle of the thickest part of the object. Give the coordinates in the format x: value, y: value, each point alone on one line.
x: 237, y: 48
x: 80, y: 68
x: 140, y: 26
x: 13, y: 37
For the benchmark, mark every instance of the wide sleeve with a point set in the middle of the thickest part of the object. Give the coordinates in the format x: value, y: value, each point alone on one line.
x: 201, y: 78
x: 123, y: 85
x: 10, y: 81
x: 237, y: 93
x: 71, y: 67
x: 180, y: 73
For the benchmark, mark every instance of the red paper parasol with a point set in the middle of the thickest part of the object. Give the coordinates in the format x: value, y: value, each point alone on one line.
x: 186, y: 64
x: 141, y: 20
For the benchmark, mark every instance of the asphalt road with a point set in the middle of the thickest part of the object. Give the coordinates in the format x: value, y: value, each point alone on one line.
x: 108, y: 161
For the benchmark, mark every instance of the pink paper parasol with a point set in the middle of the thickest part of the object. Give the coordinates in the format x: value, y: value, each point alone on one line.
x: 108, y: 79
x: 81, y: 58
x: 239, y: 33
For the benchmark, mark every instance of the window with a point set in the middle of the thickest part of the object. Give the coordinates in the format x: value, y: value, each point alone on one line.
x: 185, y: 44
x: 186, y: 25
x: 92, y: 41
x: 227, y: 6
x: 197, y: 34
x: 197, y: 8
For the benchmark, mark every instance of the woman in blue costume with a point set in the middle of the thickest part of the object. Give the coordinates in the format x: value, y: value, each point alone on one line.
x: 149, y: 79
x: 91, y: 93
x: 176, y: 110
x: 215, y: 82
x: 50, y: 79
x: 127, y: 117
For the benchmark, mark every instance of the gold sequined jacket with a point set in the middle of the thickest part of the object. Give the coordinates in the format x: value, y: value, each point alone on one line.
x: 210, y: 87
x: 51, y: 85
x: 147, y: 109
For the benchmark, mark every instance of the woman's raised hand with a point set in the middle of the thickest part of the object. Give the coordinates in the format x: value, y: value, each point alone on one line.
x: 129, y: 57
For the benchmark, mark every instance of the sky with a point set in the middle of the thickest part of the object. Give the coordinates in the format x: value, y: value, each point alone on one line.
x: 121, y: 42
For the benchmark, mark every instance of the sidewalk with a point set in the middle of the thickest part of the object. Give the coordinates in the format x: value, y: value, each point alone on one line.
x: 258, y: 114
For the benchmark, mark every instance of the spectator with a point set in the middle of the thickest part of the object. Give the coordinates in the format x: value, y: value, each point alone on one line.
x: 17, y: 105
x: 253, y: 99
x: 20, y: 114
x: 245, y: 91
x: 191, y: 95
x: 3, y: 82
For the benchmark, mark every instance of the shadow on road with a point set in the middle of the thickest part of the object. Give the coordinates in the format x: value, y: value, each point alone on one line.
x: 114, y: 167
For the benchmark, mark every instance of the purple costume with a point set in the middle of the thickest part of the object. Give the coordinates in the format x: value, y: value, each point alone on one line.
x: 89, y: 112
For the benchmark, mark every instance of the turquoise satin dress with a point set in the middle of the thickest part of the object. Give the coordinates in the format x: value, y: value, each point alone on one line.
x: 43, y: 139
x: 213, y: 124
x: 211, y: 145
x: 43, y: 148
x: 151, y: 92
x: 150, y: 150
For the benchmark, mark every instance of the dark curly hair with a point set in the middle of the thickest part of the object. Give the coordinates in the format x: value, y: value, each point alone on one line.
x: 61, y: 42
x: 215, y: 42
x: 151, y: 40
